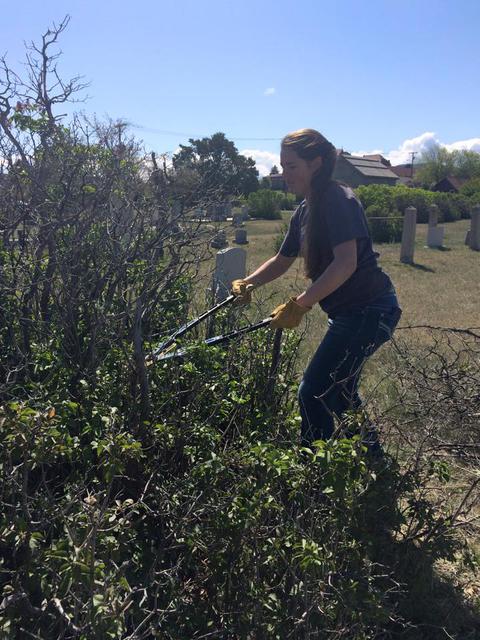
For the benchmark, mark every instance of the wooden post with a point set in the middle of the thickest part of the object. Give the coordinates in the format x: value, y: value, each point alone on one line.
x: 408, y: 235
x: 474, y: 238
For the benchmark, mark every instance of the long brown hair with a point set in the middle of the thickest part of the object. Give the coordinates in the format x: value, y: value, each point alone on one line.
x: 309, y: 144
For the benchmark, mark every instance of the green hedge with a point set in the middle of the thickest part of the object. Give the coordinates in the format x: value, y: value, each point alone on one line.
x: 266, y: 204
x: 386, y: 230
x: 390, y: 200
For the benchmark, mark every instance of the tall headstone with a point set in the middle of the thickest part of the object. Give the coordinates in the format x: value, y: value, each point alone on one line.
x: 244, y: 212
x: 474, y: 238
x: 230, y: 265
x: 407, y: 249
x: 435, y: 233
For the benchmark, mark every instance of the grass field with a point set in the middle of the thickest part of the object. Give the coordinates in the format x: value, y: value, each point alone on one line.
x: 441, y: 288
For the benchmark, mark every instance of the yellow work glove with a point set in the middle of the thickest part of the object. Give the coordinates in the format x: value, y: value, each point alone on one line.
x: 243, y: 291
x: 288, y: 316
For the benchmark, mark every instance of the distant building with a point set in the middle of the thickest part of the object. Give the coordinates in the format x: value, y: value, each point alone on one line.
x: 405, y: 173
x: 356, y: 171
x: 277, y: 183
x: 450, y: 184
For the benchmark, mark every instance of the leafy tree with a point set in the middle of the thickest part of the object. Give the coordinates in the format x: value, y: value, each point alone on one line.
x: 218, y: 165
x: 471, y: 189
x: 467, y: 164
x: 438, y: 163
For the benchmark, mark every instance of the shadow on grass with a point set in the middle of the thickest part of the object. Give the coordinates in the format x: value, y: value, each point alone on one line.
x: 439, y: 249
x: 429, y: 607
x: 421, y: 267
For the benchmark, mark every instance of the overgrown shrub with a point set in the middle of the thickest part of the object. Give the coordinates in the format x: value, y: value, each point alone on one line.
x: 452, y: 206
x: 288, y: 202
x: 173, y: 500
x: 387, y: 229
x: 265, y: 204
x: 471, y: 189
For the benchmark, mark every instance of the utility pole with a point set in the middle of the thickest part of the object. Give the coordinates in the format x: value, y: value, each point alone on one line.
x: 413, y: 154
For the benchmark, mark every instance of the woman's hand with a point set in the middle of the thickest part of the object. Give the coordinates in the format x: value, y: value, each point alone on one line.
x: 242, y: 291
x: 288, y: 315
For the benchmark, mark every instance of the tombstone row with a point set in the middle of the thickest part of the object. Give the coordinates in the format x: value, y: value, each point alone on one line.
x: 220, y: 241
x: 435, y: 232
x: 231, y: 262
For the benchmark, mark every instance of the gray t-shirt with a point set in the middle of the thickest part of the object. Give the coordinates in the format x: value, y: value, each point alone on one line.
x: 343, y: 219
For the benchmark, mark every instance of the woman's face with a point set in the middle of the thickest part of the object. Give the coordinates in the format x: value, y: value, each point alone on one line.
x: 297, y: 172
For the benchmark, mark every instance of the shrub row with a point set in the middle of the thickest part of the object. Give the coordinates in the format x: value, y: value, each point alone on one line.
x: 267, y: 204
x: 390, y: 200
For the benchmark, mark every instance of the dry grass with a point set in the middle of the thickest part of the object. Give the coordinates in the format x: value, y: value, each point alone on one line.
x: 442, y: 288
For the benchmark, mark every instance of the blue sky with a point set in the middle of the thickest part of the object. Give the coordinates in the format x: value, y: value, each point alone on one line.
x: 372, y: 75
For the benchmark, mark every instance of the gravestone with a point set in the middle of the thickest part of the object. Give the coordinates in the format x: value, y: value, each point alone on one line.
x: 435, y: 233
x: 241, y: 236
x: 230, y: 265
x: 435, y: 237
x: 408, y: 235
x: 474, y: 237
x: 220, y: 240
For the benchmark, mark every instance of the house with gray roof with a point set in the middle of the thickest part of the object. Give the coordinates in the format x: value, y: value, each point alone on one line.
x: 356, y: 171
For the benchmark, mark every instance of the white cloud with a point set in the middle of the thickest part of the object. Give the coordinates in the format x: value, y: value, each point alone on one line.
x: 402, y: 154
x: 269, y: 92
x: 472, y: 144
x: 263, y: 159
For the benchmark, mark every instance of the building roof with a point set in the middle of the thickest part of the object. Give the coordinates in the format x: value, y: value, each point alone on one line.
x: 449, y: 182
x: 403, y: 170
x: 378, y: 157
x: 370, y: 168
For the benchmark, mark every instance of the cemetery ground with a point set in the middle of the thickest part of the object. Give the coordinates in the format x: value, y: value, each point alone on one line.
x: 441, y: 289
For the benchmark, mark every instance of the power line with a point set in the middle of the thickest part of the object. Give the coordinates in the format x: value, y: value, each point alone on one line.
x: 196, y: 135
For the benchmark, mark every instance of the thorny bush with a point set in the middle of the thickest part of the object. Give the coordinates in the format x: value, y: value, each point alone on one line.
x: 174, y: 501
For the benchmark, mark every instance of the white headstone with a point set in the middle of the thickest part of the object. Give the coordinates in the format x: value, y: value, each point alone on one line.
x: 435, y: 237
x: 433, y: 213
x: 230, y: 265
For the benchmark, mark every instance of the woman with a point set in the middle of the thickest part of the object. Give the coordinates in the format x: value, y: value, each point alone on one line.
x: 329, y: 230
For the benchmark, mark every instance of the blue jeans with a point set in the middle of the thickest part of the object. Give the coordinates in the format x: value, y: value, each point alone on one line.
x: 330, y: 383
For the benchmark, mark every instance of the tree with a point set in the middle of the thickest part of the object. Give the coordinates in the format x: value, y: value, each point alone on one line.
x: 274, y: 170
x: 218, y: 164
x: 438, y: 163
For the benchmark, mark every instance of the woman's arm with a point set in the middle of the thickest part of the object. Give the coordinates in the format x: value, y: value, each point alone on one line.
x: 270, y: 270
x: 343, y: 265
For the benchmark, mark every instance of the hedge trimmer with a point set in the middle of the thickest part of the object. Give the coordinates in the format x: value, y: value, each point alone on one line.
x: 164, y: 350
